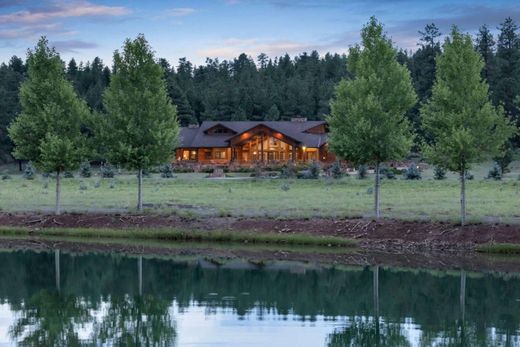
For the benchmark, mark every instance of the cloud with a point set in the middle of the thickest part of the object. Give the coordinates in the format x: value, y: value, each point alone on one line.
x: 30, y: 31
x: 179, y: 12
x: 232, y: 47
x: 71, y: 46
x: 62, y: 10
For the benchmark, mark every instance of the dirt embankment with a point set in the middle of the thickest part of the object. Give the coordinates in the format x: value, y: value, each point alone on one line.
x: 384, y: 235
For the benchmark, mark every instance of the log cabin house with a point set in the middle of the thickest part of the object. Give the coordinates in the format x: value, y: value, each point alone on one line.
x: 248, y: 142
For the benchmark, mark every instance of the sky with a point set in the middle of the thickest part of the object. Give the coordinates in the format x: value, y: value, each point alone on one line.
x: 197, y: 29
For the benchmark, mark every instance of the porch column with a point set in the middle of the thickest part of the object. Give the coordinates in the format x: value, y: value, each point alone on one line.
x: 294, y: 158
x: 262, y: 148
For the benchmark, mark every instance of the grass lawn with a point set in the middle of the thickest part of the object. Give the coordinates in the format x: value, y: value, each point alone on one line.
x: 193, y: 195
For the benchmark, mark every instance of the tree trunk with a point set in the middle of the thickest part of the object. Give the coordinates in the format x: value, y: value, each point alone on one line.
x: 377, y: 188
x: 58, y: 193
x: 463, y: 197
x: 140, y: 190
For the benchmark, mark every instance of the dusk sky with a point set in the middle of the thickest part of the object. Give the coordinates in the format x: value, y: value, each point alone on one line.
x: 225, y: 28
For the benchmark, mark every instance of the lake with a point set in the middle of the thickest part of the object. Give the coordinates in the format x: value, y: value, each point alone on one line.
x: 62, y: 299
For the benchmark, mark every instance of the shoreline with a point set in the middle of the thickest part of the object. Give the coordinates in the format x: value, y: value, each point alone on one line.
x: 387, y: 235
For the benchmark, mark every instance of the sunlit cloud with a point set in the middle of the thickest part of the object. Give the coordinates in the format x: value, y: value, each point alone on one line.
x: 63, y: 10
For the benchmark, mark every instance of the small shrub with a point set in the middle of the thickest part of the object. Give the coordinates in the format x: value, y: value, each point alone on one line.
x: 29, y: 171
x: 82, y: 186
x: 68, y: 174
x: 85, y: 170
x: 289, y: 170
x: 495, y: 173
x: 413, y: 173
x: 285, y: 187
x: 387, y: 172
x: 107, y: 171
x: 45, y: 184
x: 166, y: 171
x: 97, y: 184
x: 335, y: 170
x: 362, y: 172
x: 314, y: 170
x: 6, y: 176
x: 182, y: 169
x: 469, y: 176
x: 112, y: 185
x: 439, y: 173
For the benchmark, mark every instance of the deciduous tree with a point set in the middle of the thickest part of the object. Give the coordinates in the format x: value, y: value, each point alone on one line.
x: 463, y: 125
x: 368, y: 123
x: 48, y: 129
x: 140, y: 128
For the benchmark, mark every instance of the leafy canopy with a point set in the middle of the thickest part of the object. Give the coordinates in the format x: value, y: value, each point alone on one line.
x: 48, y: 130
x: 140, y: 128
x: 464, y: 125
x: 367, y: 122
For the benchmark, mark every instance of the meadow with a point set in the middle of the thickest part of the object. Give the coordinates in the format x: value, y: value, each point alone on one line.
x: 194, y: 195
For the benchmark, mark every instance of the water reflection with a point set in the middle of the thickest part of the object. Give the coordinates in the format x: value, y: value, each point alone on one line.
x: 58, y: 299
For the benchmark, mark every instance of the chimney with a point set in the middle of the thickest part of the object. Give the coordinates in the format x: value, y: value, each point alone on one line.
x: 299, y: 119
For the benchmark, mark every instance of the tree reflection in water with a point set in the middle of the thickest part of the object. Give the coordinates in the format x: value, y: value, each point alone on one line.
x: 93, y: 299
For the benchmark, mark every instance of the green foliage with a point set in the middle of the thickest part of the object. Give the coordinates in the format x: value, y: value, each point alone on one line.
x: 495, y: 173
x: 505, y: 157
x: 459, y: 118
x: 314, y: 170
x: 29, y: 172
x: 388, y: 172
x: 68, y: 174
x: 140, y: 128
x: 412, y: 173
x: 85, y: 169
x: 289, y: 170
x: 285, y: 187
x: 439, y: 173
x: 367, y: 122
x: 48, y: 130
x: 469, y: 176
x: 107, y: 171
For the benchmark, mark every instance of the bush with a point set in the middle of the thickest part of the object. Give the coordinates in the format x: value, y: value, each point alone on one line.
x: 6, y: 176
x: 289, y: 170
x: 413, y: 173
x: 469, y: 176
x: 439, y: 173
x: 68, y: 174
x: 495, y: 173
x: 83, y: 186
x: 387, y: 172
x: 182, y: 169
x: 166, y: 171
x: 504, y: 159
x: 107, y: 171
x: 285, y: 186
x: 29, y: 171
x: 335, y: 170
x: 362, y: 172
x: 85, y: 170
x: 314, y: 170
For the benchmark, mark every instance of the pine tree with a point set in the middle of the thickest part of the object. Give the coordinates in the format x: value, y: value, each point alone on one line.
x: 273, y: 114
x: 140, y: 129
x: 48, y: 130
x: 507, y: 85
x: 485, y: 45
x: 461, y: 121
x: 367, y: 122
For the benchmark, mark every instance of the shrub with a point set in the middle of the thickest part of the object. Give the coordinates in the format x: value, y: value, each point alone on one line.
x: 387, y: 172
x: 107, y: 171
x: 285, y: 186
x: 504, y: 159
x: 469, y: 176
x: 29, y: 171
x: 314, y: 170
x: 495, y: 173
x: 85, y: 170
x: 207, y: 169
x: 82, y: 186
x: 413, y: 173
x: 166, y: 171
x: 6, y: 176
x: 362, y: 172
x: 68, y: 174
x: 335, y: 170
x: 182, y: 169
x: 289, y: 170
x: 439, y: 173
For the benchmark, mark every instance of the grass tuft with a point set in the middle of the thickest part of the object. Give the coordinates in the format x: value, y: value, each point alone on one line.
x: 186, y: 235
x: 499, y: 248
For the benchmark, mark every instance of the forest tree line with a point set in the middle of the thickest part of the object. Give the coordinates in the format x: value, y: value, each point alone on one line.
x: 282, y: 87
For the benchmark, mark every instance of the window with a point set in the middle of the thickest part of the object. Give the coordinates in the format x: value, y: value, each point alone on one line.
x: 207, y: 154
x: 220, y: 154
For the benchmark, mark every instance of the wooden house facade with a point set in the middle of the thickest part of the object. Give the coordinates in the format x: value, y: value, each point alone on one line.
x: 248, y: 142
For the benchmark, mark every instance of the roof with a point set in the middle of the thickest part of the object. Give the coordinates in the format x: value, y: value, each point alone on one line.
x: 197, y: 137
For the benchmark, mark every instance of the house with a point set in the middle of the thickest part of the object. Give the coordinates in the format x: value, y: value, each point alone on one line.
x: 248, y: 142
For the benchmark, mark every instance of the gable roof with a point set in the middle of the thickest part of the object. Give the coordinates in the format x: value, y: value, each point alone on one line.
x: 198, y: 137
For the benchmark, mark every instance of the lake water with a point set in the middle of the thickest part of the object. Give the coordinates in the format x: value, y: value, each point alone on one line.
x: 60, y: 299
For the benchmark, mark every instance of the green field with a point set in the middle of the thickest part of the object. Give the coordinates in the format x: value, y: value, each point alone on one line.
x: 193, y: 195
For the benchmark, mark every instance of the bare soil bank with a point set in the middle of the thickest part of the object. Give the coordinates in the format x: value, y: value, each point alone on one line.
x: 384, y: 235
